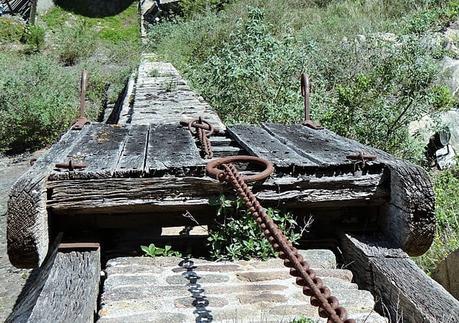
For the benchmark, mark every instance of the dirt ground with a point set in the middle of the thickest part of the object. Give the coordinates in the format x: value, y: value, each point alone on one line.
x: 11, y: 278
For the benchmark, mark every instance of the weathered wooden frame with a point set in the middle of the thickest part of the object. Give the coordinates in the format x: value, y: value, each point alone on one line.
x: 154, y: 168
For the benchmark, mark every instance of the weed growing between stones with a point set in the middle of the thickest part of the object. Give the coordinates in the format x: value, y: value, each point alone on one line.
x: 302, y: 320
x: 236, y: 235
x: 154, y: 251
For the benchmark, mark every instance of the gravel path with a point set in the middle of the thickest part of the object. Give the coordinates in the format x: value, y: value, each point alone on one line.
x: 11, y: 279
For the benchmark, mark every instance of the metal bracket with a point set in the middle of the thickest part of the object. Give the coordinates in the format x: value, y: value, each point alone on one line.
x: 305, y: 92
x: 82, y: 120
x: 80, y: 123
x: 361, y: 159
x: 70, y: 165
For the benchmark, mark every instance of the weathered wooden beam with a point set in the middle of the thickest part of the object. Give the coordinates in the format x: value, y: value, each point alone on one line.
x: 410, y: 219
x: 404, y: 290
x: 99, y: 150
x: 27, y: 229
x: 122, y: 194
x: 64, y: 289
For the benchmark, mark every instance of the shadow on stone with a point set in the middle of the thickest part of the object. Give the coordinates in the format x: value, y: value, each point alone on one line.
x: 200, y: 301
x: 94, y: 8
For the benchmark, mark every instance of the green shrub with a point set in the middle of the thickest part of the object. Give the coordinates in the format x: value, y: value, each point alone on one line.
x: 446, y: 186
x: 236, y: 235
x: 154, y: 251
x: 368, y: 84
x: 38, y: 101
x: 75, y: 43
x: 375, y: 88
x: 11, y: 29
x: 193, y: 7
x: 35, y: 37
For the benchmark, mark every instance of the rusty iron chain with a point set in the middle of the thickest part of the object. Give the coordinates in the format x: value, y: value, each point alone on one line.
x: 312, y: 285
x: 203, y: 131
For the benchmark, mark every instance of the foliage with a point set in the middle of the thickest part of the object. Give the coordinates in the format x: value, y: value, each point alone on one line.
x: 34, y: 37
x: 153, y: 251
x: 193, y: 7
x: 11, y: 29
x: 446, y: 185
x: 303, y: 319
x: 371, y: 75
x: 37, y: 101
x: 376, y: 88
x: 75, y: 43
x: 237, y: 236
x: 239, y: 82
x: 39, y: 86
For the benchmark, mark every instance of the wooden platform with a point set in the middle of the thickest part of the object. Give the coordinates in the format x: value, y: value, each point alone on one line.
x: 147, y: 171
x: 157, y: 168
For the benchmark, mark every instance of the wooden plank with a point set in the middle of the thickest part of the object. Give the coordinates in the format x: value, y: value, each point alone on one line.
x: 325, y: 191
x: 171, y: 148
x: 131, y: 194
x: 132, y: 157
x: 410, y: 212
x: 27, y: 229
x: 320, y: 147
x: 402, y: 288
x: 99, y: 150
x: 258, y: 142
x: 64, y: 289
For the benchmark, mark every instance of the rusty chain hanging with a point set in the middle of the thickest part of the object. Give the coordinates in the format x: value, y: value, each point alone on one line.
x: 305, y: 276
x: 313, y: 286
x: 203, y: 131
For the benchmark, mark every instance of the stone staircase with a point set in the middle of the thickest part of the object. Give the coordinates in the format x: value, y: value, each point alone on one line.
x: 171, y: 289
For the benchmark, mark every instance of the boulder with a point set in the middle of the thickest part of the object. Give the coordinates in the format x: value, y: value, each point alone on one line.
x: 447, y: 273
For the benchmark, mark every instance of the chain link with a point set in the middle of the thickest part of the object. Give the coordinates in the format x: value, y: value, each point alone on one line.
x: 312, y: 285
x: 320, y: 295
x: 203, y: 136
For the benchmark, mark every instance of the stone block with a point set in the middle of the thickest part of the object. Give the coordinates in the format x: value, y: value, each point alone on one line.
x: 447, y: 273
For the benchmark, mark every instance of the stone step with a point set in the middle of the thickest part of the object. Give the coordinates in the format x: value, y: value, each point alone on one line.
x: 141, y: 289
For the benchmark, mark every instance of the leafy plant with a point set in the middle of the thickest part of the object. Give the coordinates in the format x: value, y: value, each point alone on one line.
x: 170, y: 86
x: 38, y: 100
x: 446, y: 186
x: 236, y: 234
x: 35, y: 37
x: 302, y: 319
x: 193, y: 7
x: 75, y: 43
x: 154, y: 251
x: 11, y: 29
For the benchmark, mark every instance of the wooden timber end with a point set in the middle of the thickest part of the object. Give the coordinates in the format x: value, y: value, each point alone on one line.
x: 63, y: 289
x: 404, y: 292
